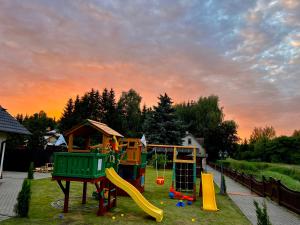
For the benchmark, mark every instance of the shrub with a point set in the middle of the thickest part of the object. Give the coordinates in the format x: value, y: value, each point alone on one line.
x: 225, y: 163
x: 261, y: 214
x: 160, y: 159
x: 223, y: 185
x: 30, y: 171
x: 291, y: 172
x: 23, y: 200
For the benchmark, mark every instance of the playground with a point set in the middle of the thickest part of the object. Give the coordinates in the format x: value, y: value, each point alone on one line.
x: 104, y: 177
x: 44, y: 192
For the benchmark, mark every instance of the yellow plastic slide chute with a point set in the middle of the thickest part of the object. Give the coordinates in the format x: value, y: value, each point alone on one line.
x: 139, y: 199
x: 208, y: 192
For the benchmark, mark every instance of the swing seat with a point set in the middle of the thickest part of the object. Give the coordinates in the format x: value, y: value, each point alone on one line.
x: 160, y: 180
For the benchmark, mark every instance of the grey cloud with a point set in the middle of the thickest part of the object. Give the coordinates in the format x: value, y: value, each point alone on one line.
x: 187, y: 48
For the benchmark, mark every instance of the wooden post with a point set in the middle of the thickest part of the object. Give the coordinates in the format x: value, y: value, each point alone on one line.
x: 264, y: 186
x: 67, y: 193
x: 101, y: 198
x: 2, y: 148
x: 251, y: 177
x: 84, y: 192
x: 278, y: 185
x: 70, y: 143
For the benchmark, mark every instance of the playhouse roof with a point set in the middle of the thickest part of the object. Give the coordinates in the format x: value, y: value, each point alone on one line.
x: 102, y: 127
x: 9, y: 124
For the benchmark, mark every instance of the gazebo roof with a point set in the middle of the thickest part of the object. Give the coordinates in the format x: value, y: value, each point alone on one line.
x: 8, y: 124
x: 101, y: 127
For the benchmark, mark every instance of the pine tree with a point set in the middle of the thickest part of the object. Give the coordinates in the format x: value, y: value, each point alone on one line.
x: 162, y: 125
x: 108, y: 108
x: 67, y: 120
x: 103, y: 105
x: 20, y: 118
x: 97, y: 106
x: 111, y: 109
x: 23, y: 200
x: 76, y: 112
x: 143, y: 114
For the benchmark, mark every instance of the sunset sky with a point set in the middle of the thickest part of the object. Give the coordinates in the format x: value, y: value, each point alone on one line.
x: 245, y: 51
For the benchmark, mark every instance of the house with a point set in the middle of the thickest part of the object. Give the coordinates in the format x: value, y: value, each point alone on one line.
x: 191, y: 140
x: 54, y: 139
x: 8, y: 125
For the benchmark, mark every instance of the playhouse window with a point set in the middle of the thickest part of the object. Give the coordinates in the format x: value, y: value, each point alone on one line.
x: 189, y: 141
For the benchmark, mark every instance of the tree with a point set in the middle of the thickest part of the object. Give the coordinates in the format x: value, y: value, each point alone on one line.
x: 205, y: 118
x: 228, y: 137
x: 162, y: 125
x: 20, y: 118
x: 296, y: 133
x: 67, y: 120
x: 23, y: 200
x: 108, y: 108
x: 259, y: 133
x: 130, y: 113
x: 38, y: 124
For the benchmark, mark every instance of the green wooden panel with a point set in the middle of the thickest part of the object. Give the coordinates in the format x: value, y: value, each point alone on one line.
x: 79, y: 165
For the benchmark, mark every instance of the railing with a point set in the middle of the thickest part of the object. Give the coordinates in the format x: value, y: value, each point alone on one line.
x: 271, y: 188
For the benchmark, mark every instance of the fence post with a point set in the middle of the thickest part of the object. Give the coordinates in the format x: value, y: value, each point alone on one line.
x: 251, y: 177
x: 278, y: 184
x: 264, y: 186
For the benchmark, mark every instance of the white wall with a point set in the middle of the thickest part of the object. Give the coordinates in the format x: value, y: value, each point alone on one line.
x: 194, y: 142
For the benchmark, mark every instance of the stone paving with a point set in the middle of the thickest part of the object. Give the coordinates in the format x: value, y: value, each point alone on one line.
x: 243, y: 198
x: 10, y: 186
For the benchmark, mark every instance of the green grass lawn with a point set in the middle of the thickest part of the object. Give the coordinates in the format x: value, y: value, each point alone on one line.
x: 46, y: 191
x: 288, y: 174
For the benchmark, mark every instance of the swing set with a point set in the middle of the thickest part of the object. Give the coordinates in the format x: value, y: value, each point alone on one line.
x: 184, y: 169
x: 160, y: 180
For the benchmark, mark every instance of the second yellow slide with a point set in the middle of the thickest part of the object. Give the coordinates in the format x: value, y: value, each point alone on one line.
x: 208, y: 192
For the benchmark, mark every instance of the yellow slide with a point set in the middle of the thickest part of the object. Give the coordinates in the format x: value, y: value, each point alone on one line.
x: 208, y: 192
x: 139, y: 199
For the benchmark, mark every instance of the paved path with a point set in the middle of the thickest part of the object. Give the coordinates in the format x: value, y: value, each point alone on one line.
x: 243, y: 198
x: 10, y: 186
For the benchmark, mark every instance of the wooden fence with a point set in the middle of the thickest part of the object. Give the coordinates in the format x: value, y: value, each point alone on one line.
x: 271, y: 188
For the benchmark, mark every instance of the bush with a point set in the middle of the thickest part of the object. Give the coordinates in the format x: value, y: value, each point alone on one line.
x: 161, y: 160
x: 291, y: 172
x: 223, y: 185
x: 225, y: 163
x: 261, y: 214
x: 23, y: 200
x: 30, y: 171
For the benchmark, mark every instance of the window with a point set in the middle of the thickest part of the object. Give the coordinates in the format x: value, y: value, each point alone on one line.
x: 189, y: 141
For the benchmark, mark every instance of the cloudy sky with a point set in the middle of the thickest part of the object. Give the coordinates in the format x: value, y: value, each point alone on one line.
x: 247, y: 52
